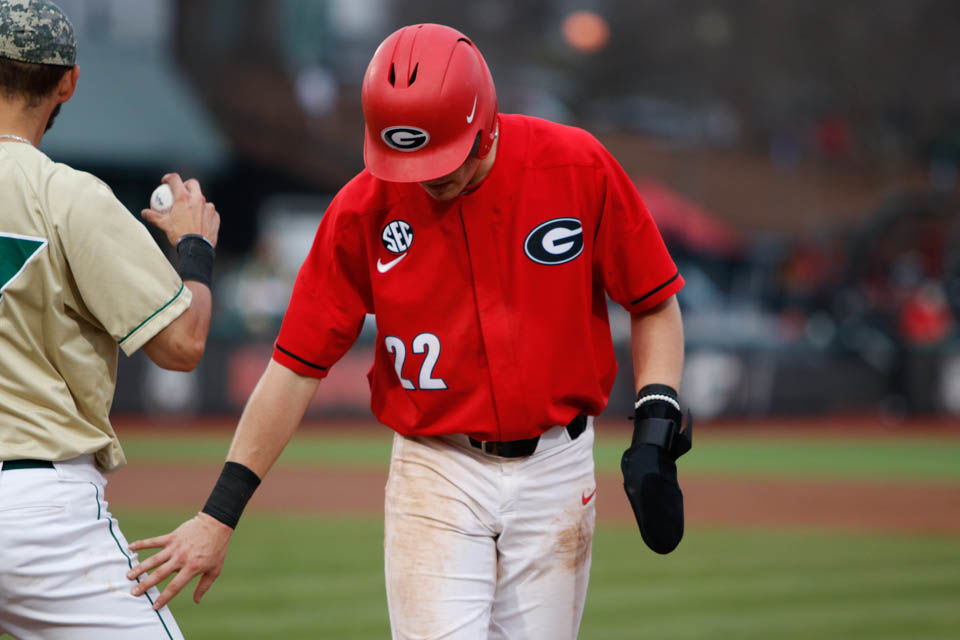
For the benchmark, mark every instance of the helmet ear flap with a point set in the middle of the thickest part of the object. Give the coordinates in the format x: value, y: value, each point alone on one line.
x: 485, y: 138
x: 491, y: 130
x: 475, y: 149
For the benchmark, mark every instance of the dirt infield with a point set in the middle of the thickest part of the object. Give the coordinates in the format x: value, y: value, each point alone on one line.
x: 710, y: 501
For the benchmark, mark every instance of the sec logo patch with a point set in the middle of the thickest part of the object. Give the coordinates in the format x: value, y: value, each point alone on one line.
x: 405, y: 138
x: 555, y: 241
x: 397, y: 236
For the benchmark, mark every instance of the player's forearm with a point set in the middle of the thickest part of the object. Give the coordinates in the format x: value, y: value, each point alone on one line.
x: 656, y: 339
x: 272, y: 414
x: 180, y: 345
x: 196, y: 319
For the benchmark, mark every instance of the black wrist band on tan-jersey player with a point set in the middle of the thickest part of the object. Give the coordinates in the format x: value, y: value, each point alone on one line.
x: 230, y: 495
x: 196, y: 258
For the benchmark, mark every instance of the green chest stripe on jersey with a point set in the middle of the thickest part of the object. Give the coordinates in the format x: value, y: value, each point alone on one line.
x: 15, y: 252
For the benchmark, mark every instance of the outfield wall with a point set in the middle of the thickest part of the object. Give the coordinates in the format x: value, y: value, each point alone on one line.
x: 717, y: 383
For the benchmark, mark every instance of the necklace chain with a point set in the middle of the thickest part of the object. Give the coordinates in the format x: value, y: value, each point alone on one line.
x: 10, y: 136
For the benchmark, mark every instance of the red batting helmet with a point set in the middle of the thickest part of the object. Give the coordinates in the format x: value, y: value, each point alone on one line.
x: 428, y: 101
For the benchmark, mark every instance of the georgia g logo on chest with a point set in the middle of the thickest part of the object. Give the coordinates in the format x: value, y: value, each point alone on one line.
x: 555, y: 241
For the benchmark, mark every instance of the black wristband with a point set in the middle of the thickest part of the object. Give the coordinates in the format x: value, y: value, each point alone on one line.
x: 656, y: 416
x: 230, y: 495
x: 657, y: 389
x: 656, y: 401
x: 196, y: 258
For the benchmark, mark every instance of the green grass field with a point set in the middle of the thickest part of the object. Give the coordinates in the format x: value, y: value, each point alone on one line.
x: 903, y: 459
x: 296, y: 577
x: 312, y: 576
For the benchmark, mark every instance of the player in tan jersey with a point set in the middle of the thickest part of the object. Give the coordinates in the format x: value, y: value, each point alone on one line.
x: 79, y: 276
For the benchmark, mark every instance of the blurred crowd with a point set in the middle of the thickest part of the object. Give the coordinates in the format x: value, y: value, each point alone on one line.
x: 801, y: 157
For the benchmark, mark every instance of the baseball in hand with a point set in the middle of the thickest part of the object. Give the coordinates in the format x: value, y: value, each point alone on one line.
x: 162, y: 198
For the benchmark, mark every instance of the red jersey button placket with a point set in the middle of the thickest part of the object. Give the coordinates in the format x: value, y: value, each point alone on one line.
x: 494, y: 317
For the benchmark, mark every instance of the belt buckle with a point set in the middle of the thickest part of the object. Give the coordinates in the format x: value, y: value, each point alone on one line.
x: 493, y: 446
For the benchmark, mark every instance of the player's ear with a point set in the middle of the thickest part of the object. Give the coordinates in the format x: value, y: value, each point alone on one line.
x: 68, y: 84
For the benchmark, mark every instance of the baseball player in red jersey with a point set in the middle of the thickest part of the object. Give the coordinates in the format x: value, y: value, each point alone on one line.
x: 486, y: 245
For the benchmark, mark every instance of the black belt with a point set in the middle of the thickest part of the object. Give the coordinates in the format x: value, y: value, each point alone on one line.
x: 523, y: 448
x: 13, y: 465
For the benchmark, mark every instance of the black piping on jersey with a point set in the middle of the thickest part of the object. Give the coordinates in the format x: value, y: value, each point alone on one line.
x: 299, y: 359
x: 650, y: 293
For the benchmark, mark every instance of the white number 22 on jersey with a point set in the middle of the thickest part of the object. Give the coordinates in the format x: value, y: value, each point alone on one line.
x: 424, y: 343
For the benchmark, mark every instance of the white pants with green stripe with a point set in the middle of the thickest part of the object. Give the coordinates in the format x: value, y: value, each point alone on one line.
x: 63, y: 561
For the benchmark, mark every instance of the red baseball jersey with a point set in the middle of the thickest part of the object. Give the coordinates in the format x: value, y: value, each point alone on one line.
x: 491, y: 308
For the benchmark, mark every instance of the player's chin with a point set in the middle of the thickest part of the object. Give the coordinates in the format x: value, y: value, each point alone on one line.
x: 447, y: 190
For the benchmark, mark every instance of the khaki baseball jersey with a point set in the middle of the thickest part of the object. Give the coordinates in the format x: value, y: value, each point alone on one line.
x: 79, y: 276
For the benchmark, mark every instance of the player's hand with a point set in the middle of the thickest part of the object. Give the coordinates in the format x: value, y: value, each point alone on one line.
x: 190, y: 213
x: 197, y: 547
x: 650, y: 471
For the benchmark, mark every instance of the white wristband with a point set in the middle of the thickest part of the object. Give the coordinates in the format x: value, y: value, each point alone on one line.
x: 656, y: 396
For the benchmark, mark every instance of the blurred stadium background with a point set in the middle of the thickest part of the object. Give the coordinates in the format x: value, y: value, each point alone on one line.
x: 801, y: 158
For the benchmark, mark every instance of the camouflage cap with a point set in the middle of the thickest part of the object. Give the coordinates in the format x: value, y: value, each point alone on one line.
x: 36, y: 31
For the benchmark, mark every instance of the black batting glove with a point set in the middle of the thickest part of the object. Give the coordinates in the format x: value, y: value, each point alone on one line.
x: 650, y: 470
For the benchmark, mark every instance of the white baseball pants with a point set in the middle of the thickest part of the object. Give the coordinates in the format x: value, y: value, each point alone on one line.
x: 63, y: 561
x: 479, y: 547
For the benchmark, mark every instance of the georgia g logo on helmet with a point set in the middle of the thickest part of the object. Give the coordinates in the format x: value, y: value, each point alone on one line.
x: 555, y: 241
x: 405, y: 138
